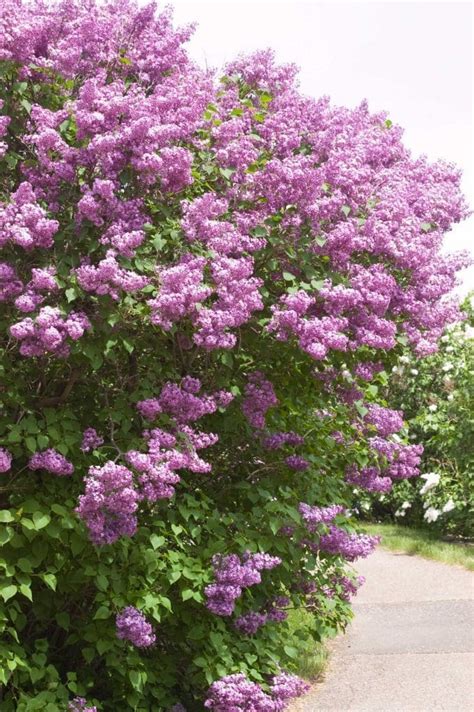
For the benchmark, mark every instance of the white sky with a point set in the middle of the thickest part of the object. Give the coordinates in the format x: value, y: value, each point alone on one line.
x: 413, y: 59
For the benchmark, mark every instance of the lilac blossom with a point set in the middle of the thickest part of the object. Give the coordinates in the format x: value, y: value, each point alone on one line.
x: 296, y: 462
x: 350, y: 546
x: 368, y: 478
x: 237, y: 692
x: 312, y: 516
x: 52, y: 461
x: 277, y: 440
x: 133, y: 627
x: 80, y: 704
x: 91, y: 440
x: 232, y: 574
x: 109, y: 503
x: 259, y: 398
x: 5, y: 460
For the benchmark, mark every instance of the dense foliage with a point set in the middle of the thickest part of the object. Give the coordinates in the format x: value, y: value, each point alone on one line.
x: 200, y: 279
x: 437, y: 396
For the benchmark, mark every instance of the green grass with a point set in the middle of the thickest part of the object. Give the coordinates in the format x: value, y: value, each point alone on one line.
x: 312, y: 656
x: 422, y: 543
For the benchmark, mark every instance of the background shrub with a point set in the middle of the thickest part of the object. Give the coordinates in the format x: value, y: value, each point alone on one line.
x: 437, y: 397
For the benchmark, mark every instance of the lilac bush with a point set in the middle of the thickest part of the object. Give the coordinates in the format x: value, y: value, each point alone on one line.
x: 204, y: 283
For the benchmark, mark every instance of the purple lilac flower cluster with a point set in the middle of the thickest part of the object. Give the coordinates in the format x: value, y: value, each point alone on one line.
x: 48, y: 332
x: 24, y: 223
x: 368, y: 478
x: 385, y: 420
x: 232, y: 574
x: 183, y: 292
x: 315, y: 335
x: 52, y: 461
x: 237, y: 692
x: 80, y: 704
x: 338, y: 437
x: 112, y: 493
x: 313, y: 516
x: 42, y: 280
x: 249, y: 623
x: 259, y: 398
x: 4, y: 121
x: 109, y: 503
x: 167, y: 453
x: 348, y: 586
x: 134, y: 627
x: 108, y: 277
x: 350, y: 546
x: 182, y: 289
x: 182, y: 403
x: 403, y: 460
x: 367, y: 370
x: 5, y: 460
x: 10, y: 285
x: 277, y: 440
x: 91, y: 440
x: 296, y: 462
x: 171, y: 451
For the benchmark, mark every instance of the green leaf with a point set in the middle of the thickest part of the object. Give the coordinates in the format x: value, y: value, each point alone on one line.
x: 227, y: 173
x: 290, y: 651
x: 103, y: 646
x: 6, y: 533
x: 227, y: 359
x: 102, y: 613
x: 63, y: 620
x: 135, y: 679
x: 157, y: 541
x: 102, y: 582
x: 88, y: 654
x: 361, y: 409
x: 14, y: 436
x: 26, y: 105
x: 41, y: 520
x: 31, y: 443
x: 43, y: 441
x: 27, y: 524
x: 50, y: 580
x: 8, y: 592
x: 71, y: 294
x: 24, y: 565
x: 6, y: 516
x: 346, y: 210
x: 187, y: 594
x: 26, y: 591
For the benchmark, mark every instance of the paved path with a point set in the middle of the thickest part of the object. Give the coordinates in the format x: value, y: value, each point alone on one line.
x: 410, y: 647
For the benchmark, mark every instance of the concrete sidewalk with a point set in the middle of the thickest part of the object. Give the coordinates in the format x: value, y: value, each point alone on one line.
x: 410, y: 647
